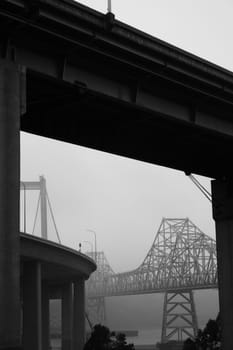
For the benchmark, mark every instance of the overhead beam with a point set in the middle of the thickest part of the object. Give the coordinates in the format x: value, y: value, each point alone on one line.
x: 166, y: 95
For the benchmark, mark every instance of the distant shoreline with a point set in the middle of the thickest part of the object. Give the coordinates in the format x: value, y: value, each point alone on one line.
x: 137, y: 347
x: 145, y: 340
x: 145, y: 347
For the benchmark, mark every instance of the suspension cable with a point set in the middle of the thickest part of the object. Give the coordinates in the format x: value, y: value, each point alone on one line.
x: 206, y: 193
x: 54, y: 223
x: 204, y: 189
x: 37, y: 210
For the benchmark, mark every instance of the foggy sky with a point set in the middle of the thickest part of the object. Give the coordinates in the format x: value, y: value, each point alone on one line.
x: 123, y: 200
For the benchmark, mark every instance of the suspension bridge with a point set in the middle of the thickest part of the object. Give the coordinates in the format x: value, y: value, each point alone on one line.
x: 43, y: 206
x: 181, y: 259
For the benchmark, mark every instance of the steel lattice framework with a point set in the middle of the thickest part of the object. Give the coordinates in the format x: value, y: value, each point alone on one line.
x: 102, y: 272
x: 182, y: 258
x: 96, y: 310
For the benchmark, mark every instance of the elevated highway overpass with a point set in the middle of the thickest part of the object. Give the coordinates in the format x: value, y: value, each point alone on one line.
x: 92, y: 80
x: 51, y: 271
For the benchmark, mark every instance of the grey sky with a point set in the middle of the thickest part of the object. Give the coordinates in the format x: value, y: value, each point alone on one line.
x: 122, y: 200
x: 201, y: 27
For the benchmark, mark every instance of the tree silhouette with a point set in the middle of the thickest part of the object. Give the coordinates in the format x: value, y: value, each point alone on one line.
x: 102, y: 339
x: 189, y: 344
x: 210, y: 337
x: 120, y: 343
x: 207, y: 339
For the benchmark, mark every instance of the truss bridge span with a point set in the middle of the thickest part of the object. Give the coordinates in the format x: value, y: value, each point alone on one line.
x: 181, y: 257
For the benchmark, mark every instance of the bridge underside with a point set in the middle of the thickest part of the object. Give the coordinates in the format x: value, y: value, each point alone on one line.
x: 96, y: 82
x: 77, y: 115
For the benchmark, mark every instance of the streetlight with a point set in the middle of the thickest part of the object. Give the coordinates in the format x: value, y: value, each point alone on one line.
x: 109, y: 5
x: 91, y: 245
x: 95, y: 243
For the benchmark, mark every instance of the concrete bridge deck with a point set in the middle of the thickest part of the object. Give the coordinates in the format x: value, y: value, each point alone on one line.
x: 113, y: 82
x: 52, y: 271
x: 59, y: 264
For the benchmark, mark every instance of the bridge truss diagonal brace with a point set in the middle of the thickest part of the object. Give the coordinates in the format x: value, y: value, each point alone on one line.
x: 179, y: 316
x: 96, y: 310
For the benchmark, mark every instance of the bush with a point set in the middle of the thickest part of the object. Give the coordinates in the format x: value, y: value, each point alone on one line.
x: 207, y: 339
x: 102, y: 339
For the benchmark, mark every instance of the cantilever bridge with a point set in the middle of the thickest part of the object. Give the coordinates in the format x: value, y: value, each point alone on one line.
x: 182, y: 258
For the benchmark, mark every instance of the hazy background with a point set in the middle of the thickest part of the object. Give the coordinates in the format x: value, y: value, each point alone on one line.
x: 123, y: 200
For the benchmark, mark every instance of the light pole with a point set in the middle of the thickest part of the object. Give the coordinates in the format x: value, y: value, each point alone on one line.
x: 95, y: 243
x: 109, y: 5
x: 91, y: 245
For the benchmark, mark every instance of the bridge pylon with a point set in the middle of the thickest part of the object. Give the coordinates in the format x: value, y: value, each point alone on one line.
x: 179, y: 316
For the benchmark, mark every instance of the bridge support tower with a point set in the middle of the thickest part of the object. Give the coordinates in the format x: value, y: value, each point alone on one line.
x: 10, y: 110
x: 96, y: 310
x: 179, y: 316
x: 222, y: 194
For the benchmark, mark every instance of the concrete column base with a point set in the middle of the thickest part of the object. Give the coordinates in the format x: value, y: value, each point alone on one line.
x: 67, y: 316
x: 10, y: 92
x: 45, y: 317
x: 79, y: 315
x: 32, y: 306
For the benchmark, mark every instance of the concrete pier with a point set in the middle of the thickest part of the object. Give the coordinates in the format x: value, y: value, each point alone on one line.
x: 32, y: 307
x: 45, y: 317
x: 52, y: 271
x: 79, y: 315
x: 223, y: 215
x: 67, y: 316
x: 9, y: 205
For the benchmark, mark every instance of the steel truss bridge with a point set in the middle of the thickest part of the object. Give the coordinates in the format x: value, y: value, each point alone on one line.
x: 181, y: 259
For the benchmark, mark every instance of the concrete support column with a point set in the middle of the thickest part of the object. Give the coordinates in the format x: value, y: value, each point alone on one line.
x: 10, y: 109
x: 67, y: 316
x: 79, y: 315
x: 32, y: 306
x: 222, y: 192
x: 45, y: 317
